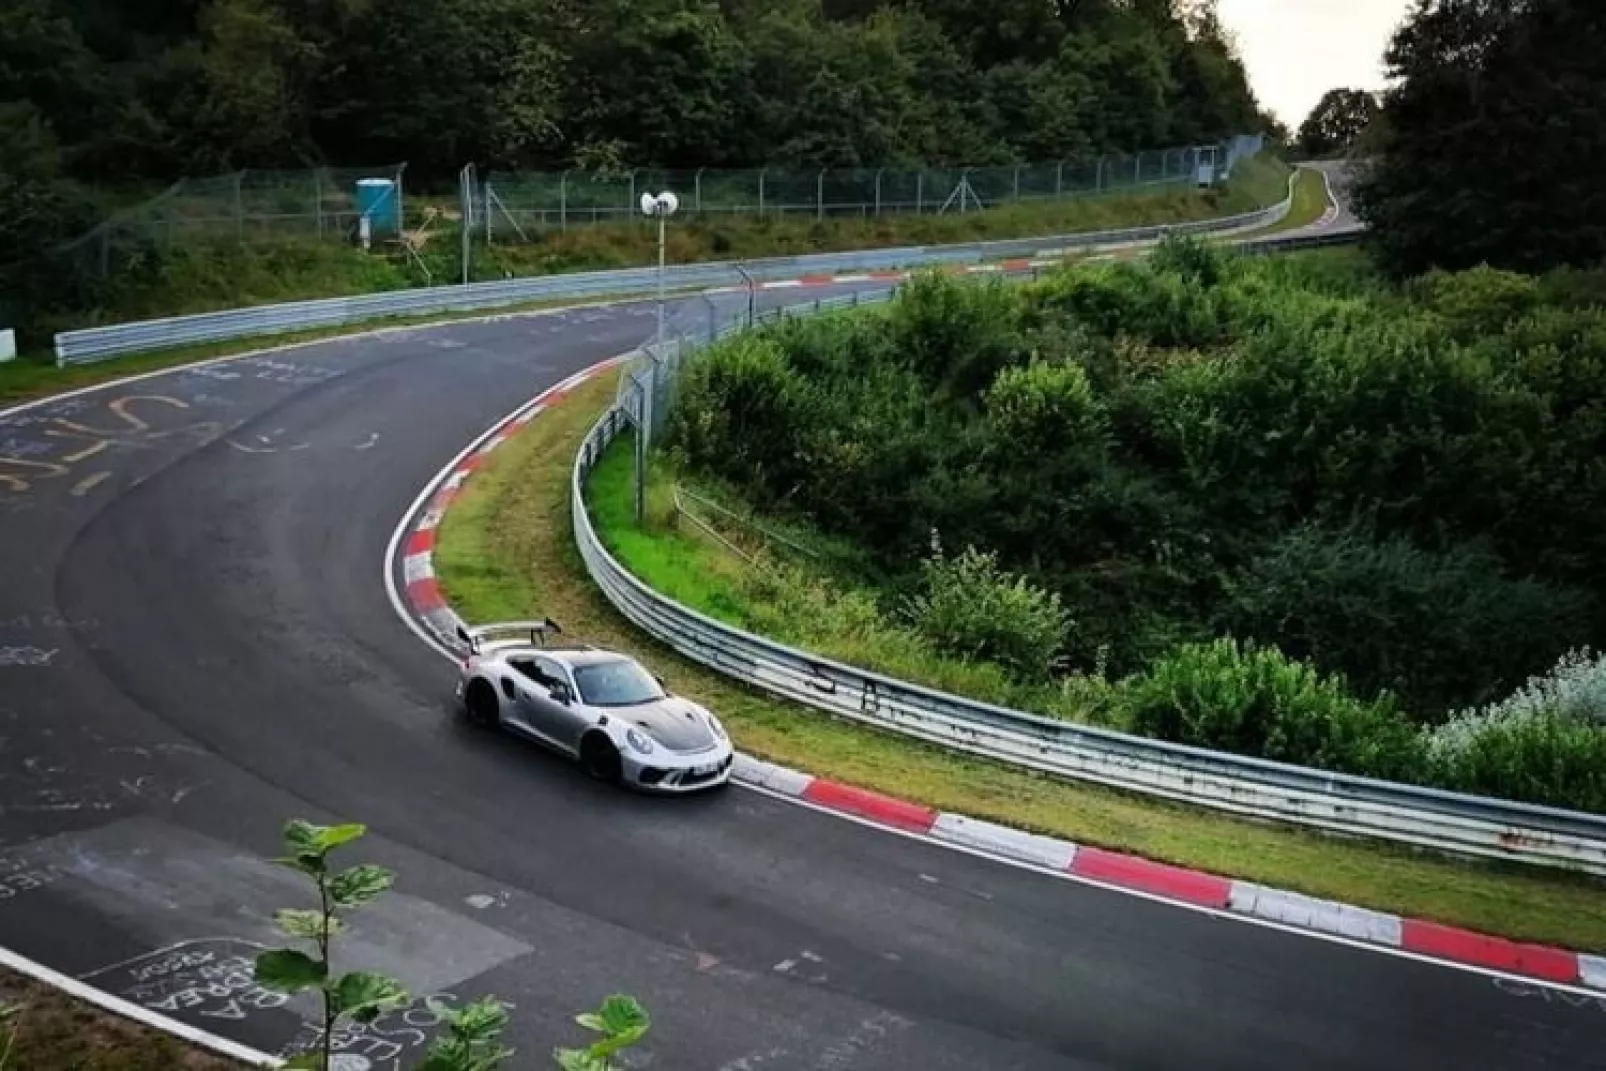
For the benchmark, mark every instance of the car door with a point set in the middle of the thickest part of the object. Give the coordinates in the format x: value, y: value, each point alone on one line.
x: 564, y: 708
x: 538, y: 711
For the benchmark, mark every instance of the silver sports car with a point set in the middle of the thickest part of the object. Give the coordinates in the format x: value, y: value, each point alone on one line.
x: 597, y: 706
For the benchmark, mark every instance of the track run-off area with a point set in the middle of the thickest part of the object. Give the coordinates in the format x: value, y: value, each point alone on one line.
x: 196, y: 645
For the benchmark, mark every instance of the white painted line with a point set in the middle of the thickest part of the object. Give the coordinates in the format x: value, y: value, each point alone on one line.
x: 331, y: 340
x: 1182, y: 905
x: 782, y: 284
x: 128, y: 1010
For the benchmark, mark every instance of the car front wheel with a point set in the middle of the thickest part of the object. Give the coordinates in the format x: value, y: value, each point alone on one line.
x: 601, y: 759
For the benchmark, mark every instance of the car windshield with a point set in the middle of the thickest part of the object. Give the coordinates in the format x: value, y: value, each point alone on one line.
x: 619, y: 683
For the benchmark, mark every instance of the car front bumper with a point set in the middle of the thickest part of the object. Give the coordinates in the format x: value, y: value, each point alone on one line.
x: 674, y: 773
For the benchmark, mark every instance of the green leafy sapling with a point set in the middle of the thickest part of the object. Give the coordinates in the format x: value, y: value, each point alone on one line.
x: 357, y: 996
x: 472, y: 1041
x: 621, y: 1022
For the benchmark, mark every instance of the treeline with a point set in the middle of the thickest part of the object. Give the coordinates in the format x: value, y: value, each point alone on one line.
x: 1403, y: 488
x: 161, y: 88
x: 1492, y: 138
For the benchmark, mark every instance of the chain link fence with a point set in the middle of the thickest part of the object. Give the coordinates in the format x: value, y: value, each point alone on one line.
x: 521, y: 205
x: 322, y: 202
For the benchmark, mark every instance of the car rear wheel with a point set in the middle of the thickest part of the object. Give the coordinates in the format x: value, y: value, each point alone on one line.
x: 601, y: 759
x: 482, y: 704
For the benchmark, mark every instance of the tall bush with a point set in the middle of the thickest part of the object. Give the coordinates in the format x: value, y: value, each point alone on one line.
x: 971, y: 609
x: 1545, y: 743
x: 1253, y: 700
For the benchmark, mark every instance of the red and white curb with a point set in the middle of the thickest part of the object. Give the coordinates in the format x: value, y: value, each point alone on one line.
x: 1002, y: 267
x: 1177, y: 884
x: 1292, y: 911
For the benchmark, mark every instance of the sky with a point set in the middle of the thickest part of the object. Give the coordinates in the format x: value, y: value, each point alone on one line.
x: 1296, y: 50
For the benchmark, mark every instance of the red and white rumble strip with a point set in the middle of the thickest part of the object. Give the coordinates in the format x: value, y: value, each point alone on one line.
x: 1197, y: 889
x: 1003, y: 267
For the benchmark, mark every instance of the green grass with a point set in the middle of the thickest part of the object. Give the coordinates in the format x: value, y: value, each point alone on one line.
x: 506, y: 550
x: 817, y: 608
x: 46, y: 1030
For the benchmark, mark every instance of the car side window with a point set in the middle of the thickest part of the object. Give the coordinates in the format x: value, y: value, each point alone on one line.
x: 528, y: 668
x: 551, y: 674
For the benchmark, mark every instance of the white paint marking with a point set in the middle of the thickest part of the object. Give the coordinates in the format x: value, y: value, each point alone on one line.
x: 480, y: 900
x: 373, y: 440
x: 129, y: 1010
x: 1005, y: 842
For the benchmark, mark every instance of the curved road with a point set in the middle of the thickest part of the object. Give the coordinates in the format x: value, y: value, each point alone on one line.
x: 196, y: 645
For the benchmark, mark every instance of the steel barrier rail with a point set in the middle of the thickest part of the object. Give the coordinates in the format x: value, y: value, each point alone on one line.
x: 103, y: 343
x: 1339, y: 803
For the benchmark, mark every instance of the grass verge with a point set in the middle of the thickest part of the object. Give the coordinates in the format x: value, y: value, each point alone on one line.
x: 44, y: 1029
x: 506, y: 550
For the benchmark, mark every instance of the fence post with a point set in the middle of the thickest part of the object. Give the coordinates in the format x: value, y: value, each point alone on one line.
x: 1059, y: 180
x: 819, y: 195
x: 317, y: 198
x: 1098, y: 176
x: 1137, y: 169
x: 239, y: 205
x: 698, y: 181
x: 878, y: 190
x: 761, y: 173
x: 1017, y: 182
x: 563, y: 200
x: 920, y: 192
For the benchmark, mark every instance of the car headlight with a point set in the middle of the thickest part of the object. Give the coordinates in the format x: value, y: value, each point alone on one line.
x: 640, y: 741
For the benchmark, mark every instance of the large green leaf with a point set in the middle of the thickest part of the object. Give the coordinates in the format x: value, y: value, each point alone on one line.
x: 363, y: 995
x: 305, y: 924
x: 288, y: 971
x: 359, y: 885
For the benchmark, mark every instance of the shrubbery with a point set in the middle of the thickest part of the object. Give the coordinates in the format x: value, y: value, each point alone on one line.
x: 971, y: 609
x: 1255, y: 701
x: 1402, y: 485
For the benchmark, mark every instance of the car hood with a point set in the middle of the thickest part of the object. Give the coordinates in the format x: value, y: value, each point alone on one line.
x: 676, y: 723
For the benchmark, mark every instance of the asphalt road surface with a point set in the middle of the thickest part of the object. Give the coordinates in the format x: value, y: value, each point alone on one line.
x: 195, y: 645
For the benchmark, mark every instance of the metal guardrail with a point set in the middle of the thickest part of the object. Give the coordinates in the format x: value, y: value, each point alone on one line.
x: 1407, y: 814
x: 103, y: 343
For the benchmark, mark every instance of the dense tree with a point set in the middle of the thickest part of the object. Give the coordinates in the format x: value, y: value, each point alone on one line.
x: 1496, y: 137
x: 1337, y: 121
x: 159, y: 88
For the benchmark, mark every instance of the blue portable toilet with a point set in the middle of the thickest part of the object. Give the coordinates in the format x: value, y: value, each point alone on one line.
x: 378, y: 199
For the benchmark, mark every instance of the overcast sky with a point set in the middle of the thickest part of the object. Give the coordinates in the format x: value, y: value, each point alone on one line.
x: 1296, y: 50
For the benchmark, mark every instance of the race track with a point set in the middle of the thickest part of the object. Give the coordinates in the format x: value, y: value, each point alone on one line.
x: 196, y: 644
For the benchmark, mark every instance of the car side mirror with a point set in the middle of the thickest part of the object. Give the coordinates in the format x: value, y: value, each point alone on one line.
x: 560, y: 693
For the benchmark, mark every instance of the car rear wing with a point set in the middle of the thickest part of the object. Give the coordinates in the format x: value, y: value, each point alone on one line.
x: 537, y: 631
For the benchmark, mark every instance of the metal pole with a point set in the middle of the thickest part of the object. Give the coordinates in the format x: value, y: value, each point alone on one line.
x: 752, y: 294
x: 467, y: 183
x: 1059, y: 180
x: 819, y: 196
x: 563, y: 201
x: 878, y: 190
x: 663, y: 223
x: 641, y: 454
x: 698, y: 182
x: 1017, y: 182
x: 239, y: 205
x: 761, y: 172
